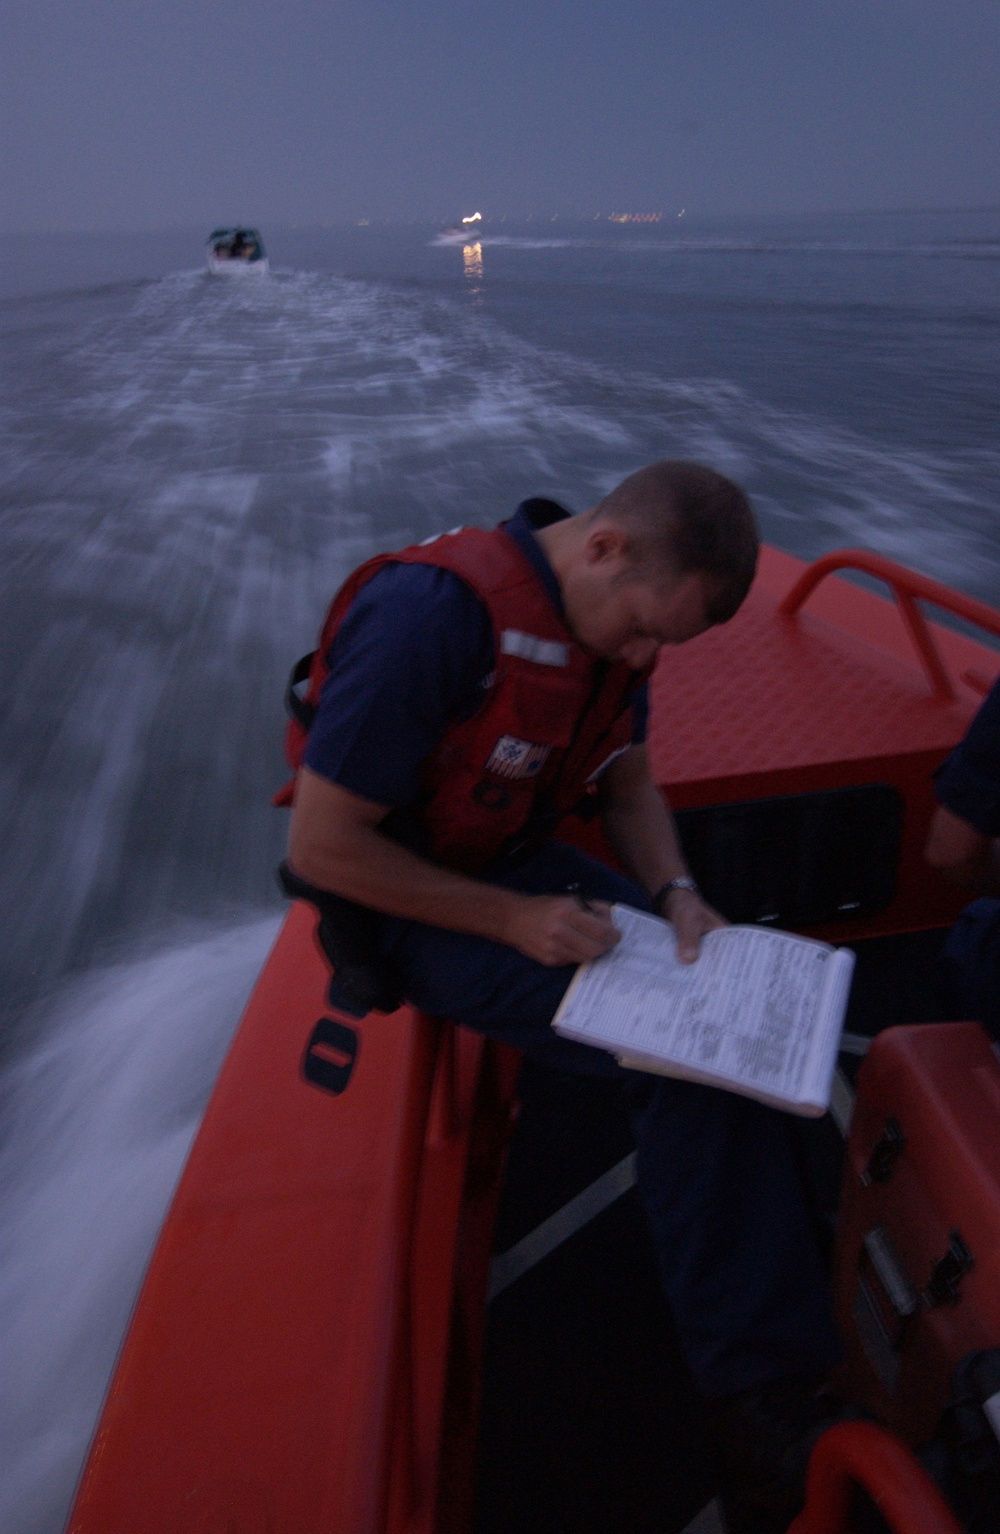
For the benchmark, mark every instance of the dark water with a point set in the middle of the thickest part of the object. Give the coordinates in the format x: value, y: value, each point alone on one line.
x: 189, y: 467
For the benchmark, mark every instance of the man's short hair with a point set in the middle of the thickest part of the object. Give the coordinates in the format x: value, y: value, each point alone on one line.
x: 693, y: 520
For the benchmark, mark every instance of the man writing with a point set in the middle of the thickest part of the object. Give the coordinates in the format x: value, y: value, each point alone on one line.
x: 466, y: 695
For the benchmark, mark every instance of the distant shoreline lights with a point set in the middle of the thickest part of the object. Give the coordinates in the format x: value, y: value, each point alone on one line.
x: 635, y: 218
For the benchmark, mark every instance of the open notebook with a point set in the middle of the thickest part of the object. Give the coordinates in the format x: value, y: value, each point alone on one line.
x: 760, y: 1012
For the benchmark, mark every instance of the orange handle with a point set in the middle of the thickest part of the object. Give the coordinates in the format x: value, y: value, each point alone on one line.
x: 908, y: 588
x: 861, y: 1454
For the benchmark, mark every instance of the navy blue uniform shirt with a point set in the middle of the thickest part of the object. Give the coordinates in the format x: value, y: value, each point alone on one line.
x: 969, y: 782
x: 413, y: 654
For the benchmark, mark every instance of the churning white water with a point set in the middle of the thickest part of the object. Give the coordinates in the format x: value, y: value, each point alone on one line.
x: 97, y: 1116
x: 187, y: 471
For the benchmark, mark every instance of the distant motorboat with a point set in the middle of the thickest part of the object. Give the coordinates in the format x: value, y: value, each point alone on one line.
x: 466, y: 230
x: 236, y: 253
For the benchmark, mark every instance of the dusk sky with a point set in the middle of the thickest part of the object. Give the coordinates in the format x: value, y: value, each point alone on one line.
x: 135, y: 114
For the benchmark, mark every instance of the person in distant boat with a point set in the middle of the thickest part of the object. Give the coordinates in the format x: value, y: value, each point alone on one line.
x: 466, y: 695
x: 964, y: 843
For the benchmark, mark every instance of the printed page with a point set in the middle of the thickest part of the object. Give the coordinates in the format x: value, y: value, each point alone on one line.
x: 754, y: 1012
x: 822, y: 1060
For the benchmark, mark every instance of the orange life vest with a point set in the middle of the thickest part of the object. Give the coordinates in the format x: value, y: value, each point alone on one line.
x: 552, y: 717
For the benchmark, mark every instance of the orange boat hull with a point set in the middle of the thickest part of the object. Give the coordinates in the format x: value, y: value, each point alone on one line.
x: 303, y: 1355
x: 294, y: 1358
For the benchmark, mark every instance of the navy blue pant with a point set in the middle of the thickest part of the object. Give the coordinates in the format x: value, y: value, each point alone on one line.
x: 717, y: 1173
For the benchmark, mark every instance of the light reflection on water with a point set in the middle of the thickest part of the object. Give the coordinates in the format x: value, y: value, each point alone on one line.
x: 472, y: 261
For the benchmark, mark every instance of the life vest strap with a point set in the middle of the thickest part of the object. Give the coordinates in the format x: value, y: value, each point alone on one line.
x: 298, y: 707
x: 348, y: 935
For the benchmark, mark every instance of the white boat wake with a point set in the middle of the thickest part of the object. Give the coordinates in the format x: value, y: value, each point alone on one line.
x: 98, y: 1116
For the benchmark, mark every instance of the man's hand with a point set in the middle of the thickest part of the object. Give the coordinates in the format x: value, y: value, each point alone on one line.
x: 691, y: 918
x: 560, y: 929
x: 964, y: 855
x: 336, y: 844
x: 642, y: 832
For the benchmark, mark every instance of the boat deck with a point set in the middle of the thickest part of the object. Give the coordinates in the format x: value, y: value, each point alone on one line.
x: 589, y: 1420
x: 311, y: 1317
x: 590, y: 1423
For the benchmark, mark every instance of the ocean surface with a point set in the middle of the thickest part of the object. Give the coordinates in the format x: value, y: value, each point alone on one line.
x: 188, y: 468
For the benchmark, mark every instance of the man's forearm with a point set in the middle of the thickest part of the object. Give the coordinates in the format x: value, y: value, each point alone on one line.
x: 979, y: 872
x: 642, y: 833
x: 641, y: 830
x: 964, y: 855
x: 361, y: 864
x: 336, y: 844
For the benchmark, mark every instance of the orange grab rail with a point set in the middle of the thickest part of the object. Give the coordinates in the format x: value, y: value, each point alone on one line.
x: 908, y: 588
x: 861, y: 1454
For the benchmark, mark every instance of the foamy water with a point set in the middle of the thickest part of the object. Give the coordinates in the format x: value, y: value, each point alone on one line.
x: 188, y: 470
x: 98, y: 1117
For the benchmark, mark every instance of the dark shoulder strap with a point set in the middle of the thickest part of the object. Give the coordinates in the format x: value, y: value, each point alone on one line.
x: 300, y: 708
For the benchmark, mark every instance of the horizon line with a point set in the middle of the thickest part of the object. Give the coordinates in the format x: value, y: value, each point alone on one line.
x: 363, y: 220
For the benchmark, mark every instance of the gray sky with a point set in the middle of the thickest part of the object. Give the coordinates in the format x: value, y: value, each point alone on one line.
x: 145, y: 113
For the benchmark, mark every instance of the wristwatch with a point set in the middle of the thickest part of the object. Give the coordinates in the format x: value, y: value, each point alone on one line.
x: 685, y: 882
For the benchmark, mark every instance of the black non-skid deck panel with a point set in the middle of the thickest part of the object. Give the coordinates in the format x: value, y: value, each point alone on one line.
x: 800, y: 859
x: 590, y: 1423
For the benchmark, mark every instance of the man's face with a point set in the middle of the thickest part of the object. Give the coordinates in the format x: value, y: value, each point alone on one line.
x: 625, y: 614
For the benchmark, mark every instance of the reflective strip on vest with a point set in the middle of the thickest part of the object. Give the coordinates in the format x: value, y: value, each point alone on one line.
x: 600, y: 771
x: 547, y: 652
x: 434, y: 537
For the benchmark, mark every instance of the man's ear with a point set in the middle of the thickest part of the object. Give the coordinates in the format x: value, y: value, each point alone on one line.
x: 606, y: 544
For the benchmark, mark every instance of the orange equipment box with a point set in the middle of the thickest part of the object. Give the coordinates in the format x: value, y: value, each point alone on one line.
x: 918, y: 1271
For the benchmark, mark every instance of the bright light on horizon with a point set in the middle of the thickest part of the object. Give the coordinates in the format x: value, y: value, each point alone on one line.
x: 473, y: 218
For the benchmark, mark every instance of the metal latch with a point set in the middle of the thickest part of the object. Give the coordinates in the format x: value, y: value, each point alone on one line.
x: 887, y: 1151
x: 890, y: 1272
x: 947, y: 1274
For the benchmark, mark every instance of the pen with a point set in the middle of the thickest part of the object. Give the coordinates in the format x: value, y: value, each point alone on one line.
x: 574, y: 889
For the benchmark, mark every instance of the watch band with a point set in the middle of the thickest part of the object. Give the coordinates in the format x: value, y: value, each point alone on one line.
x: 685, y: 882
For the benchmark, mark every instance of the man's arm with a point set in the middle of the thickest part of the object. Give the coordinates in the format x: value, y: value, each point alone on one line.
x: 335, y: 843
x: 963, y: 844
x: 963, y: 854
x: 641, y: 830
x: 963, y: 841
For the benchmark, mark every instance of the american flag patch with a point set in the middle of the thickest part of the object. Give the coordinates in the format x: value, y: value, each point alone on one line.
x: 513, y: 758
